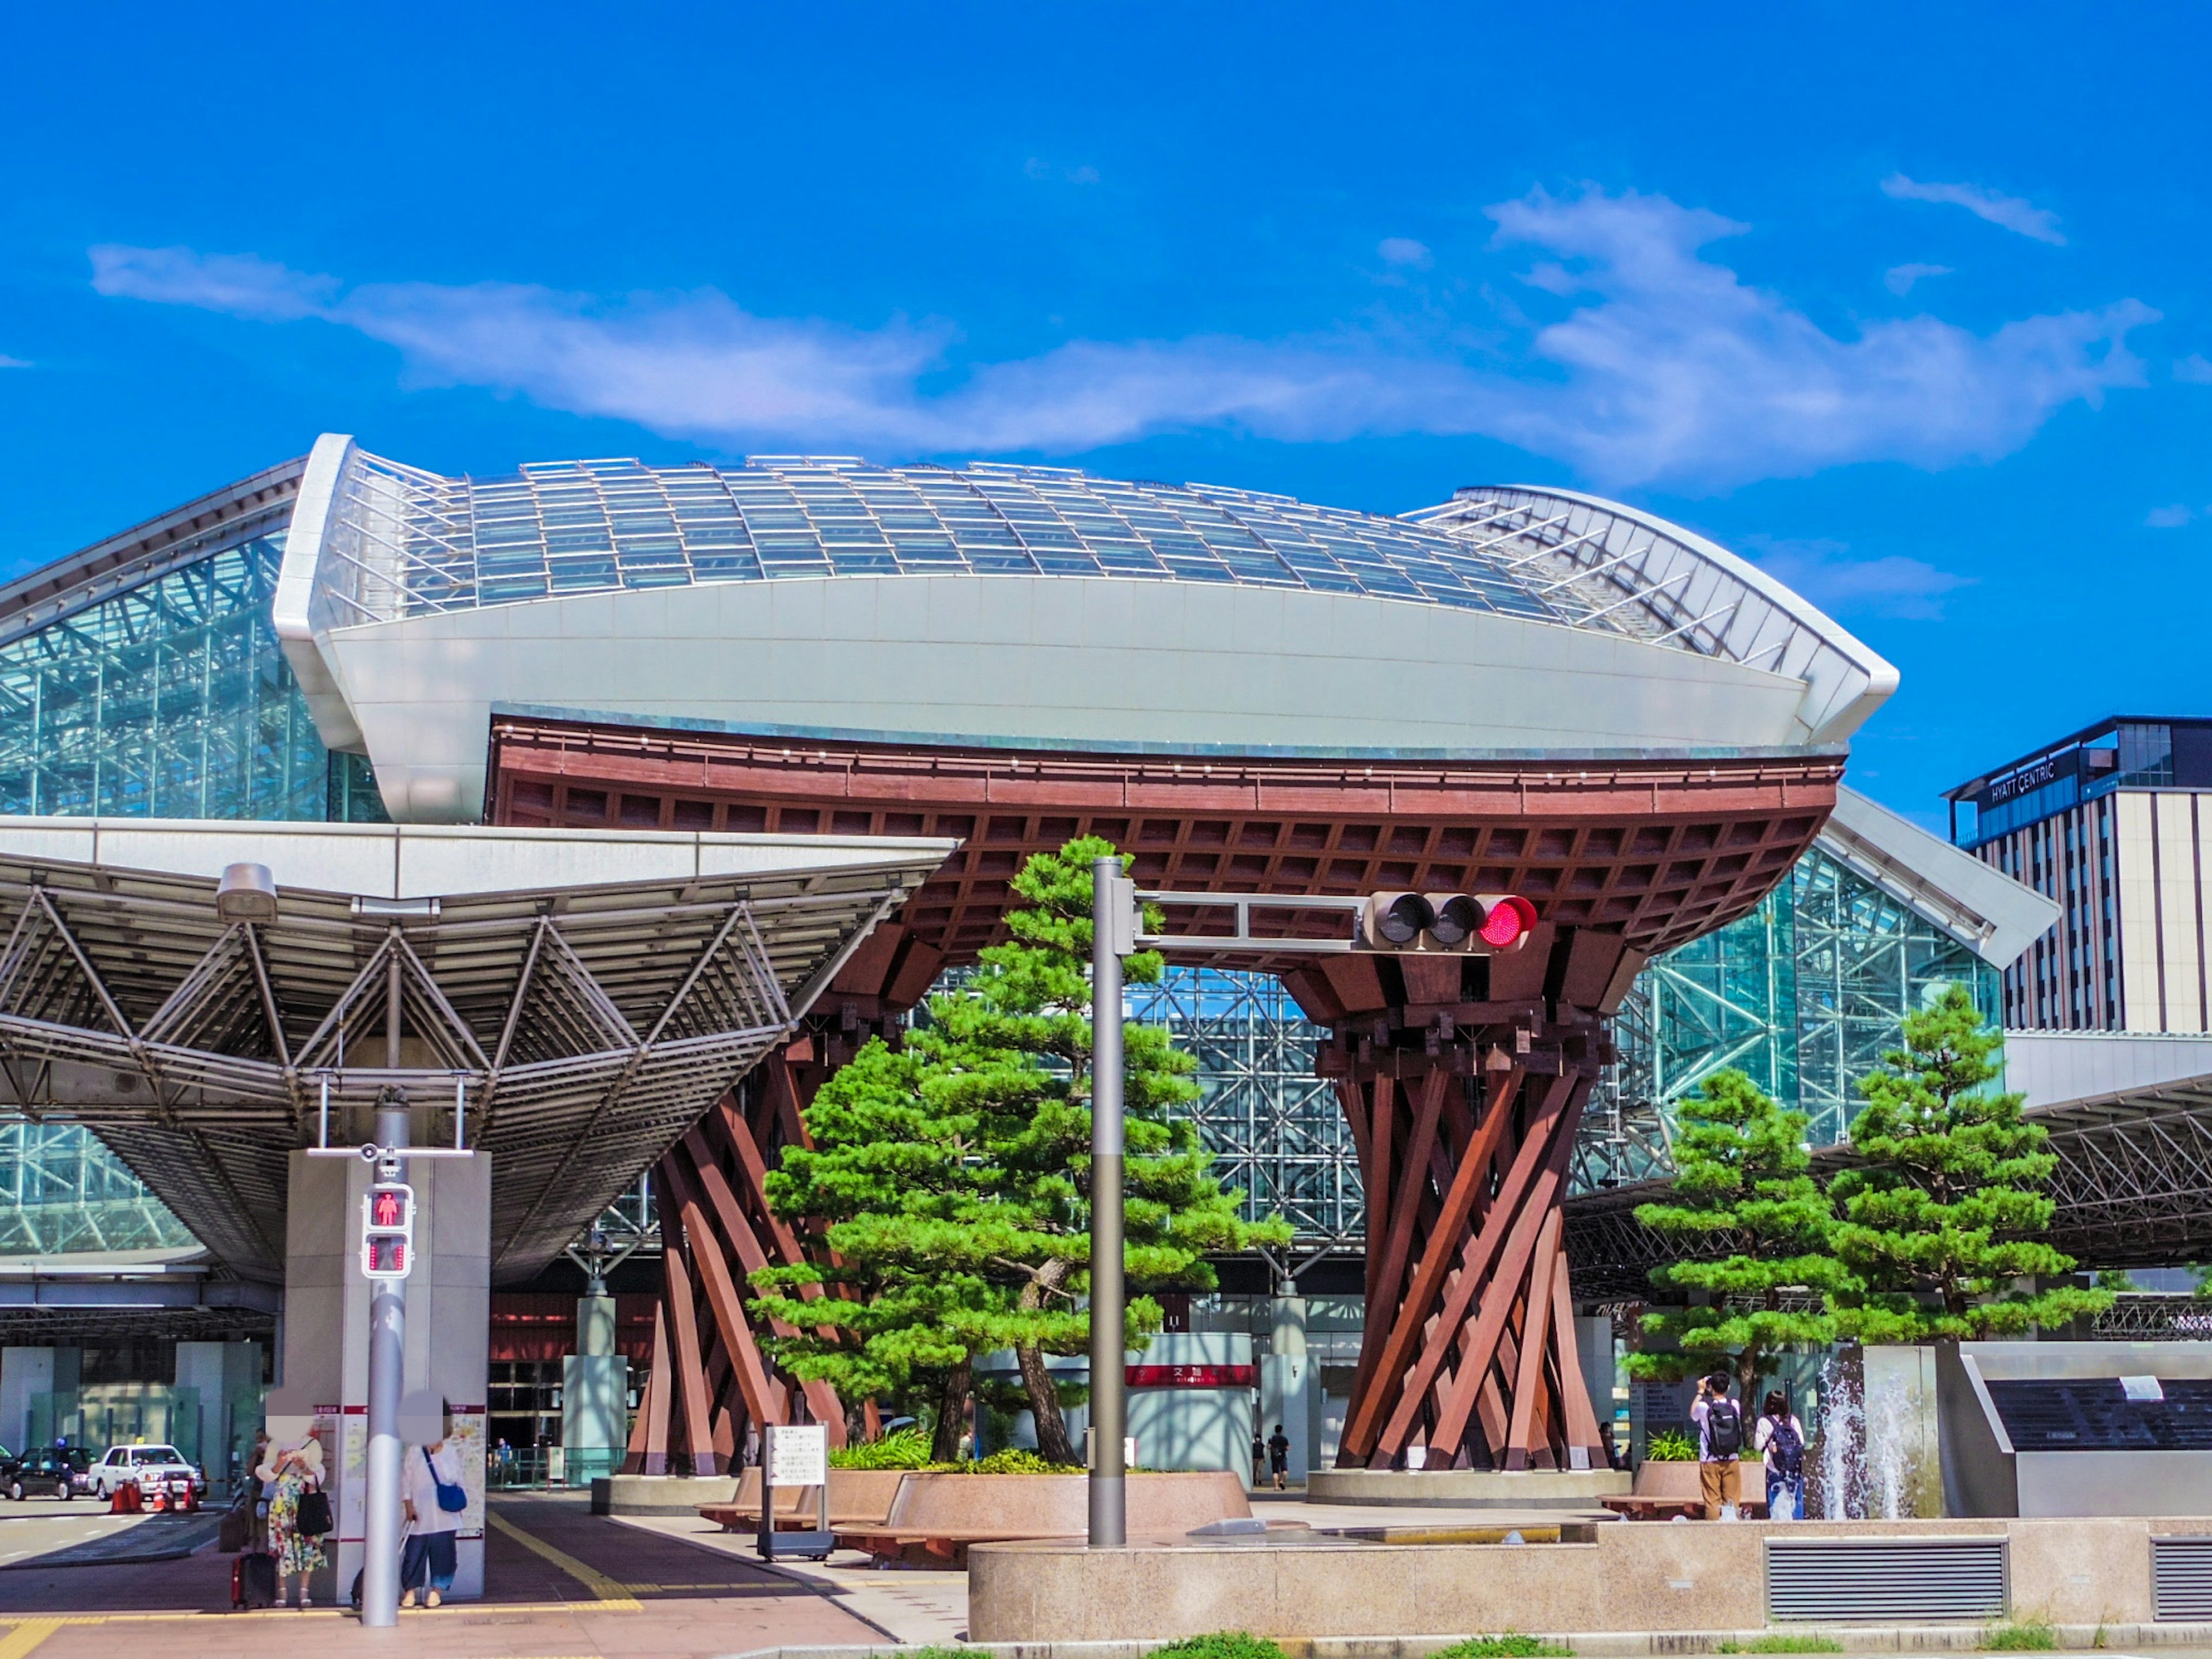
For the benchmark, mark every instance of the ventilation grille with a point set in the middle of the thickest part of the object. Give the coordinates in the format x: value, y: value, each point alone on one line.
x: 1894, y: 1579
x: 2181, y: 1578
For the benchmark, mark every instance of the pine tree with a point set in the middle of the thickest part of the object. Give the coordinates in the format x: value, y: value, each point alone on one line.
x: 1940, y: 1210
x: 1741, y: 1170
x: 987, y: 1111
x: 890, y: 1181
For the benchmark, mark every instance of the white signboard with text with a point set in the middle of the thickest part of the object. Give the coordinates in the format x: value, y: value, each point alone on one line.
x: 798, y: 1456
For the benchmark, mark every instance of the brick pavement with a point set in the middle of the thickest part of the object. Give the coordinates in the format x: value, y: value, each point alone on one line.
x: 564, y: 1585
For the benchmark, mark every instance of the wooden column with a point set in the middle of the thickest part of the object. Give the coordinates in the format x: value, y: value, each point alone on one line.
x: 1463, y: 1080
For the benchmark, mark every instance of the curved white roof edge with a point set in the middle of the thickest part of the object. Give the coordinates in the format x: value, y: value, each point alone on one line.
x: 1691, y: 587
x: 296, y: 592
x: 1985, y: 909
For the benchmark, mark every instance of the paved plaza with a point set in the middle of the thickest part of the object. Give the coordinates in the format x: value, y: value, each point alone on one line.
x: 564, y: 1586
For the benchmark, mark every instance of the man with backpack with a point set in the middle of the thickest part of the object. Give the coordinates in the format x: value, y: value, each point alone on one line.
x: 1719, y: 1423
x: 1782, y: 1438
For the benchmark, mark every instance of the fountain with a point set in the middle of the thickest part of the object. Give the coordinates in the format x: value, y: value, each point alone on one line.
x: 1874, y: 1455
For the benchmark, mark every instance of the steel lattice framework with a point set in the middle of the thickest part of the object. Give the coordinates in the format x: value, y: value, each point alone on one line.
x: 61, y: 1190
x: 1274, y: 1128
x: 586, y: 1026
x: 2144, y: 1317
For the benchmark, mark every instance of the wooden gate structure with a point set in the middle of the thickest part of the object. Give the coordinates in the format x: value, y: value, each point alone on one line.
x: 1463, y: 1078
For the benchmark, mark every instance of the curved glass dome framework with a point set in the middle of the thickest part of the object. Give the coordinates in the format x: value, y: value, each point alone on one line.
x: 583, y: 526
x: 376, y: 541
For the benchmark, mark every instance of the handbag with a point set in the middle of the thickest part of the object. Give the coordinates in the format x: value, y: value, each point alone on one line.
x: 452, y: 1499
x: 313, y: 1518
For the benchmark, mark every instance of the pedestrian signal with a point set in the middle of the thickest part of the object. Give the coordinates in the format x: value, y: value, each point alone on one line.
x: 387, y: 1230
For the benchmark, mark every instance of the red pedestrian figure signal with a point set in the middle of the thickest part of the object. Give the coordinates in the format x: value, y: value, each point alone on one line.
x: 387, y: 1230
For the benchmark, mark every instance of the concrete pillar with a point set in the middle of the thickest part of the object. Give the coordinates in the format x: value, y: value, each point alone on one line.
x: 325, y: 1329
x: 594, y: 1396
x: 228, y: 1376
x: 1594, y: 1348
x: 1290, y: 1393
x: 50, y: 1374
x: 595, y: 1326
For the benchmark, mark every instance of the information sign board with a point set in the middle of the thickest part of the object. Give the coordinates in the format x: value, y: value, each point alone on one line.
x: 798, y: 1454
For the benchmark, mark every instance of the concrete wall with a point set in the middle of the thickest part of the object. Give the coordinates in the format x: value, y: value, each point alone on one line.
x: 326, y: 1304
x: 228, y: 1376
x: 1696, y: 1576
x: 25, y: 1372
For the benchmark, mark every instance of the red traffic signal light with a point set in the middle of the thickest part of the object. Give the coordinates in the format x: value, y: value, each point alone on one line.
x: 387, y: 1230
x: 1507, y: 920
x: 1482, y: 924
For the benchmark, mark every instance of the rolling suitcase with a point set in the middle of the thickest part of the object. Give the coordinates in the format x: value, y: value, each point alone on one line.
x: 254, y: 1580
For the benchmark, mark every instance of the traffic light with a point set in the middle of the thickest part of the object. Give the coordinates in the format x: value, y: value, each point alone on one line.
x: 1466, y: 924
x: 387, y: 1230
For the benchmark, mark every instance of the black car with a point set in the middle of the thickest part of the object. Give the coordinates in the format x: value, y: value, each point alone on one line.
x: 60, y: 1471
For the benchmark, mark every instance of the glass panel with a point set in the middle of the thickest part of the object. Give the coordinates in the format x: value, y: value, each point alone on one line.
x: 171, y: 699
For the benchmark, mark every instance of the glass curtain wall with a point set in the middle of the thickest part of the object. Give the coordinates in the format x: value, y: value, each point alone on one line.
x: 170, y: 699
x: 1805, y: 995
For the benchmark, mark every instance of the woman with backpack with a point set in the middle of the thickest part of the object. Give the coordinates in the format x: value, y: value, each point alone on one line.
x: 1781, y: 1437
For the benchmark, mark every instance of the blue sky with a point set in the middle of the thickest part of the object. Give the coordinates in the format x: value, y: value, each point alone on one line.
x: 1907, y: 303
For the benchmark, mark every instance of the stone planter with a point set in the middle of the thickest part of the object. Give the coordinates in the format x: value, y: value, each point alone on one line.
x: 1678, y: 1481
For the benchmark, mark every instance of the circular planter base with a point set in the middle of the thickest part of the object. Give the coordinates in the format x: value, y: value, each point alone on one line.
x: 1469, y: 1489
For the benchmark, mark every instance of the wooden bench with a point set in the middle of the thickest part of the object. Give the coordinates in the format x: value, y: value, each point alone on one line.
x: 858, y: 1498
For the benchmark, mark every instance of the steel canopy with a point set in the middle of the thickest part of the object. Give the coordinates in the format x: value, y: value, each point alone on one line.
x: 586, y: 994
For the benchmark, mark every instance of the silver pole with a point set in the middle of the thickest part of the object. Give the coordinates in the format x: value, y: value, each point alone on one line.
x: 387, y: 1368
x: 1109, y: 1415
x: 387, y: 1371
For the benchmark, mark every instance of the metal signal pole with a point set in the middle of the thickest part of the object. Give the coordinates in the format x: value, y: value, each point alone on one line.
x: 1113, y: 928
x: 388, y: 1372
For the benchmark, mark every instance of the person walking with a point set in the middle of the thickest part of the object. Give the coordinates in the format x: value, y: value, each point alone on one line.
x: 292, y: 1474
x: 1719, y: 1422
x: 1780, y: 1439
x: 1278, y: 1457
x: 1259, y: 1461
x: 433, y: 1499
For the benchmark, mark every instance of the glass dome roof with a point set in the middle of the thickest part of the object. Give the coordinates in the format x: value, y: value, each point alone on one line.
x: 579, y: 526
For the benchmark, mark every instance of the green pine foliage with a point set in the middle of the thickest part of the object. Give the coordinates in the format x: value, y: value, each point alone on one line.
x: 1741, y: 1170
x: 1940, y: 1214
x: 951, y: 1178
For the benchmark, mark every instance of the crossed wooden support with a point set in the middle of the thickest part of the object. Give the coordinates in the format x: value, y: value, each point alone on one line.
x: 1463, y: 1081
x: 1469, y: 1347
x: 710, y: 1378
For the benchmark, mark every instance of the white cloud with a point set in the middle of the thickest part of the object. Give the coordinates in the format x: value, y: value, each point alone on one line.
x: 1664, y: 366
x: 7, y: 362
x: 2009, y: 211
x: 1037, y: 167
x: 1892, y: 585
x: 1404, y: 250
x: 2169, y: 518
x: 242, y: 284
x: 2196, y: 368
x: 1680, y: 370
x: 1900, y: 278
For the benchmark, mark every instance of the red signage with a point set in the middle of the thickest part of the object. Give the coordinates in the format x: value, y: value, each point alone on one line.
x: 1193, y: 1377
